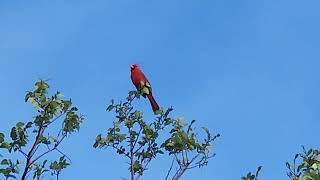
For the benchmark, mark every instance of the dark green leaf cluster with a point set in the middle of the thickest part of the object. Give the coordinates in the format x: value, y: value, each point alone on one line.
x: 19, y: 136
x: 72, y: 121
x: 52, y: 108
x: 186, y: 140
x: 8, y: 168
x: 57, y: 166
x: 39, y: 169
x: 308, y: 168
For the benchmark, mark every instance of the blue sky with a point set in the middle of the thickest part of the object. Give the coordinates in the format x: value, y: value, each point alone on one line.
x: 246, y: 69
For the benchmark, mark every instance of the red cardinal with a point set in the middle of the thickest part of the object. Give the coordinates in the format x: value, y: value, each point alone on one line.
x: 142, y: 84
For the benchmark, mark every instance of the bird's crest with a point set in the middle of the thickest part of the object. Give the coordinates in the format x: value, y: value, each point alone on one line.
x: 133, y: 66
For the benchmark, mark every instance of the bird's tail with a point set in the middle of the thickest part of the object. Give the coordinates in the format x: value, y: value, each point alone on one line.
x: 153, y: 102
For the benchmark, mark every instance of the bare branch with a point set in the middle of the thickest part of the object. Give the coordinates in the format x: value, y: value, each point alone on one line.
x: 169, y: 171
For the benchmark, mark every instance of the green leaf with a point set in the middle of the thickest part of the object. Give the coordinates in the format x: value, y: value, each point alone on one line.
x: 206, y: 130
x: 110, y: 107
x: 35, y: 104
x: 13, y: 134
x: 28, y: 95
x: 259, y: 168
x: 1, y: 137
x: 4, y: 162
x: 98, y: 139
x: 5, y: 145
x: 3, y: 171
x: 20, y: 124
x: 137, y: 166
x: 314, y: 166
x: 29, y: 125
x: 192, y: 122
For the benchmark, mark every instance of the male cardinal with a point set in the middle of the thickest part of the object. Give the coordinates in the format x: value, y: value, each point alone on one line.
x: 142, y: 84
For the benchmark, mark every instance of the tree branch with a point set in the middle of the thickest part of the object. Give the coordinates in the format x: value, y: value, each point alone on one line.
x: 180, y: 172
x: 31, y: 152
x: 137, y: 138
x: 169, y: 170
x: 50, y: 150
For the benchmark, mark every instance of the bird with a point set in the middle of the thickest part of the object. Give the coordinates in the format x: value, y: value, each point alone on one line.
x: 142, y: 84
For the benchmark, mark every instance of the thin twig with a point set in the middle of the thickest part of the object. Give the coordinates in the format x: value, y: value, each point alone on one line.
x: 25, y: 155
x: 57, y: 117
x: 169, y: 171
x: 137, y: 138
x: 137, y: 150
x: 50, y: 150
x: 194, y: 158
x: 131, y: 162
x: 63, y: 154
x: 184, y: 160
x: 178, y: 161
x: 31, y: 152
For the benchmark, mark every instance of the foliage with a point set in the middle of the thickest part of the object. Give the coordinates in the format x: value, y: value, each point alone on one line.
x: 57, y: 166
x: 131, y: 136
x: 35, y: 139
x: 139, y: 141
x: 308, y: 168
x: 9, y: 168
x: 188, y: 152
x: 252, y: 176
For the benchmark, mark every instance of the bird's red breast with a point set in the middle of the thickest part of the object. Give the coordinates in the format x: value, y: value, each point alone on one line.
x: 142, y: 84
x: 138, y: 78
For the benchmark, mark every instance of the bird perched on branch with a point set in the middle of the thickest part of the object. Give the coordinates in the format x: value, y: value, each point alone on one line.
x: 143, y: 85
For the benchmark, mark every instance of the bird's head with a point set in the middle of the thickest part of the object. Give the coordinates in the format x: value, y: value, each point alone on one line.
x: 134, y: 66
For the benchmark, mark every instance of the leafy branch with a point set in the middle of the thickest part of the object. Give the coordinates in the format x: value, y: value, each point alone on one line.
x: 139, y: 141
x: 132, y: 137
x: 308, y: 168
x: 252, y: 176
x: 187, y: 151
x: 50, y: 110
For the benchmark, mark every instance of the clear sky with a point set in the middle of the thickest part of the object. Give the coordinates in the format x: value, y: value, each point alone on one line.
x: 246, y: 69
